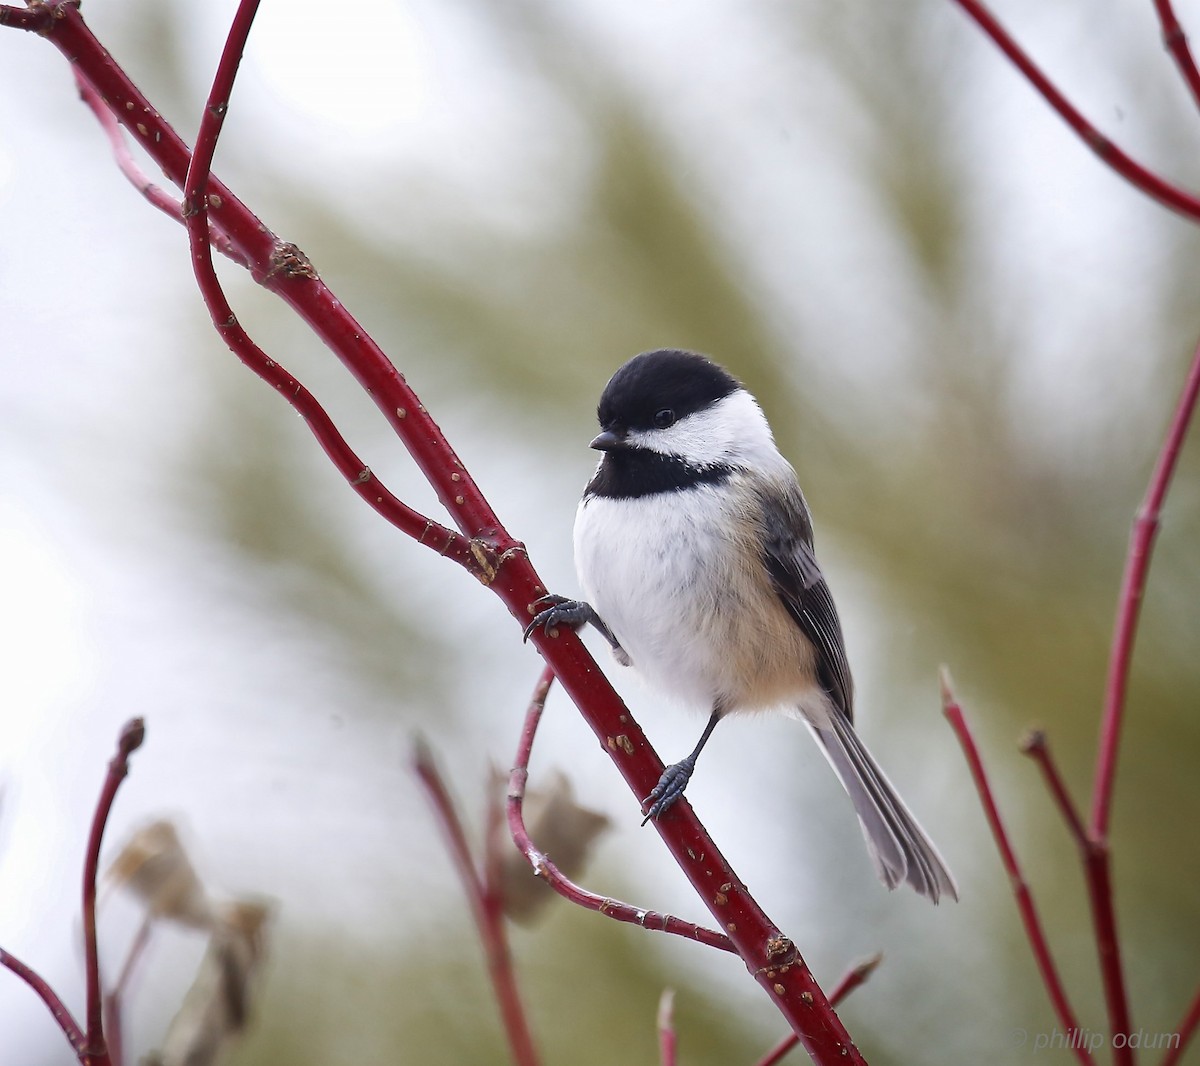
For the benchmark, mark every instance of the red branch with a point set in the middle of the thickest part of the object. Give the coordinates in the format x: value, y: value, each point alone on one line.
x: 1137, y: 175
x: 1133, y: 587
x: 487, y: 549
x: 154, y: 194
x: 1185, y: 1032
x: 485, y: 908
x: 1093, y: 842
x: 35, y: 18
x: 1175, y: 41
x: 552, y: 875
x: 133, y: 733
x: 288, y: 260
x: 88, y: 1043
x: 853, y: 977
x: 57, y: 1008
x: 1094, y: 855
x: 1097, y: 867
x: 1097, y: 860
x: 1020, y: 888
x: 1034, y: 745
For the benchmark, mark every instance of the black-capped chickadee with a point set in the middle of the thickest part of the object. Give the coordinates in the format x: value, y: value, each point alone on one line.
x: 694, y: 547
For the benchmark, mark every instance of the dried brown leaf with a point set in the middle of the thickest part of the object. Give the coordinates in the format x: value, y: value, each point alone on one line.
x: 564, y: 830
x: 154, y: 867
x: 218, y: 1005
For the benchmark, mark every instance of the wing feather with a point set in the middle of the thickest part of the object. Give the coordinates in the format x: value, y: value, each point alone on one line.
x: 797, y: 579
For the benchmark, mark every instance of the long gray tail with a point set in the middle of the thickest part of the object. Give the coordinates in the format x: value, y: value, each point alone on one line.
x: 898, y: 845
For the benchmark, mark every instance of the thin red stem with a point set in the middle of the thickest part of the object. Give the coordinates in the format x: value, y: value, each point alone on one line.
x: 1185, y: 1032
x: 132, y: 735
x: 114, y: 1032
x: 853, y: 977
x: 1036, y: 747
x: 1133, y: 587
x: 154, y: 194
x: 1097, y: 876
x: 34, y: 19
x: 1024, y: 897
x: 488, y: 919
x: 283, y: 269
x: 553, y: 876
x: 195, y: 219
x: 1175, y: 41
x: 70, y: 1027
x: 1147, y: 181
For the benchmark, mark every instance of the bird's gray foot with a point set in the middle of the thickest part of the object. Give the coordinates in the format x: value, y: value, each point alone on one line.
x: 562, y: 611
x: 669, y: 788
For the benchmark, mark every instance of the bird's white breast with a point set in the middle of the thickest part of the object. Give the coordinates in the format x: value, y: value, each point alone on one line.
x: 678, y: 577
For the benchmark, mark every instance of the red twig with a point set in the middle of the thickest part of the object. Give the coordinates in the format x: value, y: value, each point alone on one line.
x: 1098, y: 878
x: 1097, y: 860
x: 1035, y: 746
x: 1133, y: 586
x: 88, y: 1043
x: 555, y: 878
x: 488, y: 916
x: 283, y: 268
x: 154, y: 194
x: 1024, y: 897
x: 195, y: 218
x: 1094, y: 855
x: 488, y: 550
x: 1175, y: 41
x: 1184, y: 1033
x: 665, y: 1024
x: 70, y: 1027
x: 114, y: 1032
x: 853, y: 977
x: 1148, y: 182
x: 132, y: 735
x: 35, y: 19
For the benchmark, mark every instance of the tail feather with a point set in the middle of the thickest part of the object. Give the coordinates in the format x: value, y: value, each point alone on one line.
x: 899, y: 848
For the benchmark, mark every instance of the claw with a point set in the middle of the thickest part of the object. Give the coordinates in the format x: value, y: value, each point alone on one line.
x: 562, y: 611
x: 574, y: 613
x: 669, y: 788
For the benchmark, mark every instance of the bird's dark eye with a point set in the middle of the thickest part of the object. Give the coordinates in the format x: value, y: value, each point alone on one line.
x: 664, y: 418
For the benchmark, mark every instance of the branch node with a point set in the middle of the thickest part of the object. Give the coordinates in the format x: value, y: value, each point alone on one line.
x: 486, y: 559
x: 483, y: 549
x: 290, y: 262
x: 779, y: 945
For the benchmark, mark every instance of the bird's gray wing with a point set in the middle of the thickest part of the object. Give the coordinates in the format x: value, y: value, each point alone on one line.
x: 796, y: 577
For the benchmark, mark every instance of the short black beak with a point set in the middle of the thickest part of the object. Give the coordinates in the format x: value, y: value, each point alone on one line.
x: 609, y: 440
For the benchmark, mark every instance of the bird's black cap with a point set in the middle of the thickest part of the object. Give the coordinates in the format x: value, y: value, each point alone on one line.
x: 670, y: 379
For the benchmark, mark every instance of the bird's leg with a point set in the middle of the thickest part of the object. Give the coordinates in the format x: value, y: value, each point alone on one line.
x: 561, y: 611
x: 676, y: 776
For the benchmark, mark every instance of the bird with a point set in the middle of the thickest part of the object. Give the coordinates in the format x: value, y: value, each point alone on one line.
x: 694, y: 549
